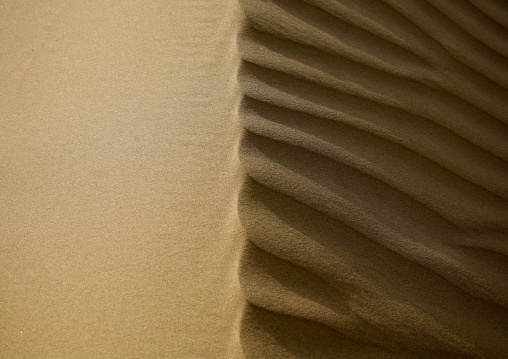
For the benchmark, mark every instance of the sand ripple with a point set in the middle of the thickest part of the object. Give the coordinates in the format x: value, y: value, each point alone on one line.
x: 376, y: 201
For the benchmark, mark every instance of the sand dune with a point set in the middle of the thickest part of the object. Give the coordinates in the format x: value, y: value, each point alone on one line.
x: 376, y: 148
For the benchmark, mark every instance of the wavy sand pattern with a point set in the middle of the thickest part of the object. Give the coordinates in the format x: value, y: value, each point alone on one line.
x: 376, y: 201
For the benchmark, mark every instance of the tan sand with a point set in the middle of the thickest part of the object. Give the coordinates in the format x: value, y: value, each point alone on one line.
x: 119, y: 176
x: 376, y: 208
x: 375, y: 205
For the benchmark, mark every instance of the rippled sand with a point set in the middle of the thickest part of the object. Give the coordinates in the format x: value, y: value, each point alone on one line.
x: 376, y: 202
x: 306, y: 179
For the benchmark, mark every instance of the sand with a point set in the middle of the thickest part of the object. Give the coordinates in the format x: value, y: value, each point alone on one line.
x: 376, y: 200
x: 254, y: 178
x: 119, y: 175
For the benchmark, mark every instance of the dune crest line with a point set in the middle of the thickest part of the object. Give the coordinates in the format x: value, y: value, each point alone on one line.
x: 376, y: 198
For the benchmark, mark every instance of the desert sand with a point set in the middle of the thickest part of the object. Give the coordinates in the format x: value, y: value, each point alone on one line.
x: 119, y: 179
x: 254, y: 178
x: 375, y: 203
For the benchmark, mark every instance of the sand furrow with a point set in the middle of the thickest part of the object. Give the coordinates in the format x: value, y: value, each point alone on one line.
x: 311, y: 26
x: 279, y: 92
x: 494, y: 10
x: 476, y: 24
x: 382, y: 21
x: 347, y: 78
x: 491, y: 139
x: 350, y: 266
x: 458, y: 43
x: 399, y: 223
x: 375, y: 149
x: 368, y: 160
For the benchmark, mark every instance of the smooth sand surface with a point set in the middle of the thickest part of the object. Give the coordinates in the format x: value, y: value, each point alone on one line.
x: 376, y: 150
x: 118, y: 179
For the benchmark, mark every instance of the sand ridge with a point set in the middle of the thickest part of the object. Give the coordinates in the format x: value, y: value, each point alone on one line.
x: 376, y: 202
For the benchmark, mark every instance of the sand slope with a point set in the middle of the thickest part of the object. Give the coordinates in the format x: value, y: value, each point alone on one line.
x: 376, y: 149
x: 118, y: 179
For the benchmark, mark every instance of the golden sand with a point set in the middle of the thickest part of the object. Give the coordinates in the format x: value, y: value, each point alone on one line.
x: 119, y: 175
x: 318, y: 179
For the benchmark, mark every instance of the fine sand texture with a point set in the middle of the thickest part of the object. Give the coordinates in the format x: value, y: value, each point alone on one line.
x: 119, y: 176
x: 375, y: 205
